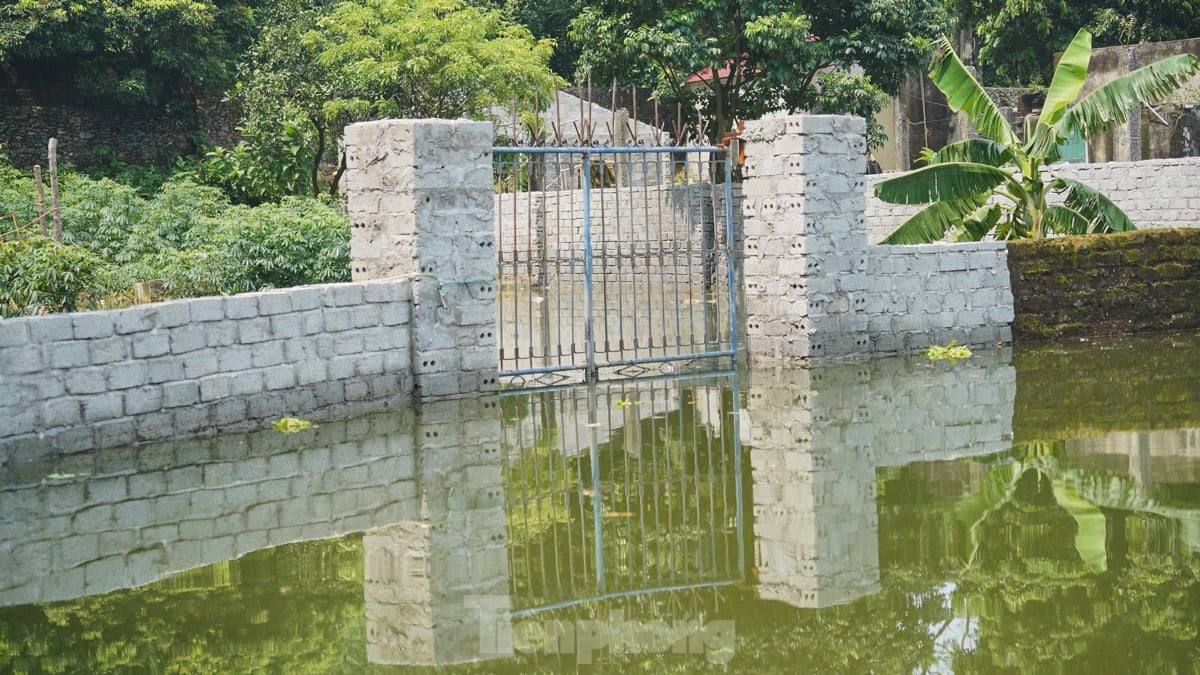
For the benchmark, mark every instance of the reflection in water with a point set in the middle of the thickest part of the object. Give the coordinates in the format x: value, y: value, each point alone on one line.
x: 858, y: 517
x: 615, y: 489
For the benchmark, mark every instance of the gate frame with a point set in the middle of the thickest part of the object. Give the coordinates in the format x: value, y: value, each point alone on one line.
x: 591, y: 368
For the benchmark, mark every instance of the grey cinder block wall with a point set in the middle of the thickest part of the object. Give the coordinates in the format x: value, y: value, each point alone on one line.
x: 88, y: 380
x: 420, y: 198
x: 818, y: 437
x: 127, y: 517
x: 418, y: 321
x: 815, y: 289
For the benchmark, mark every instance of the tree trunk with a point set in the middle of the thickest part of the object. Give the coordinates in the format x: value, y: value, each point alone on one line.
x: 337, y: 177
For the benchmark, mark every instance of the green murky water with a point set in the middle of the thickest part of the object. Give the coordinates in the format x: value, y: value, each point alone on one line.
x: 1036, y: 511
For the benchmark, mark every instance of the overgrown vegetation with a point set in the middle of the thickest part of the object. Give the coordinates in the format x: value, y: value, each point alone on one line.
x: 737, y: 60
x: 998, y: 185
x: 189, y: 236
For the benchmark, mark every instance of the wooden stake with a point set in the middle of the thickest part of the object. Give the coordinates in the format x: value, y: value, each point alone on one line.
x: 53, y: 157
x: 41, y: 202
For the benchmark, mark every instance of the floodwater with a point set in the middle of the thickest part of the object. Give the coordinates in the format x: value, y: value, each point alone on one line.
x: 1035, y: 510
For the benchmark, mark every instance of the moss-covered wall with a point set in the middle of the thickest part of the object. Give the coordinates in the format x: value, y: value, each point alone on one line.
x: 1105, y: 284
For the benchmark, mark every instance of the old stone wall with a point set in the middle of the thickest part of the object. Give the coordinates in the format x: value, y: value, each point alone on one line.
x: 1153, y: 193
x: 135, y: 134
x: 80, y: 381
x: 813, y: 286
x: 1121, y: 283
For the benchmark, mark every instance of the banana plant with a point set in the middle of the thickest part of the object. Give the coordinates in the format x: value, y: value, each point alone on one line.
x: 998, y: 185
x: 999, y: 488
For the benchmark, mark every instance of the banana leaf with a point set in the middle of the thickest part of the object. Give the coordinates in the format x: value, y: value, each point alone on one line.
x: 1090, y: 529
x: 1068, y: 80
x: 973, y: 150
x: 1101, y: 214
x: 1106, y: 106
x: 964, y: 94
x: 977, y: 225
x: 949, y: 181
x: 931, y: 223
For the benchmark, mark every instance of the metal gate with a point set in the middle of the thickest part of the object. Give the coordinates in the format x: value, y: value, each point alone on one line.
x: 613, y: 261
x: 622, y: 489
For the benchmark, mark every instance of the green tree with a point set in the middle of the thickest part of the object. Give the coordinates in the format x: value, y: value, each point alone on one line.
x: 129, y: 51
x: 550, y: 19
x: 326, y: 67
x: 770, y: 55
x: 998, y: 184
x: 1017, y: 39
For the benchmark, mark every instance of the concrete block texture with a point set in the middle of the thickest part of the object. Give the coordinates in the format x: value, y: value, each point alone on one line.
x: 421, y: 204
x: 98, y: 379
x: 814, y: 287
x: 201, y: 501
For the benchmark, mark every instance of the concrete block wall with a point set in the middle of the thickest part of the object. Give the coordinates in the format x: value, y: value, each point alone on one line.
x: 935, y: 293
x: 75, y: 382
x: 125, y: 517
x: 120, y: 519
x: 804, y: 251
x: 817, y: 438
x: 1153, y: 193
x: 428, y: 580
x: 814, y: 288
x: 419, y: 195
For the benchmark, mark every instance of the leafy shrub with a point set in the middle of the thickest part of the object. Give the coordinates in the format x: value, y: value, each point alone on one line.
x: 39, y: 275
x: 143, y: 178
x: 98, y: 214
x: 262, y: 168
x: 299, y: 241
x: 188, y: 235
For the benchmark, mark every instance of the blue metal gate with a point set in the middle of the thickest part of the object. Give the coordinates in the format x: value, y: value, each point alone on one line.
x: 613, y: 261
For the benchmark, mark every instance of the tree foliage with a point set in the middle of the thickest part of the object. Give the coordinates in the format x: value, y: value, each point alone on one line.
x: 324, y: 67
x: 130, y: 51
x: 778, y: 55
x: 1017, y: 39
x: 187, y: 235
x: 996, y: 184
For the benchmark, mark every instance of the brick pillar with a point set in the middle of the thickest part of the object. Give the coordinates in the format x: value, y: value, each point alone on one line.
x: 437, y: 589
x: 419, y: 193
x: 805, y: 245
x: 815, y: 523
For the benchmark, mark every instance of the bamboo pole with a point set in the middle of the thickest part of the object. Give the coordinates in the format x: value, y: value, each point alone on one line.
x: 53, y: 157
x: 41, y: 202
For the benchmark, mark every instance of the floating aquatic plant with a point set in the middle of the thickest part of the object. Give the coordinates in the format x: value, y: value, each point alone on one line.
x: 951, y: 352
x: 290, y: 425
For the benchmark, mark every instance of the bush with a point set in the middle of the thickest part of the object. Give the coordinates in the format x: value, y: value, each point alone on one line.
x: 39, y: 275
x: 262, y: 168
x: 144, y: 178
x: 188, y: 235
